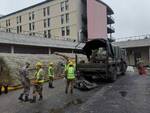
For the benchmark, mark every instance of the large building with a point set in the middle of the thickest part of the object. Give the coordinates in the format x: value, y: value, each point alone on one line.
x: 75, y: 20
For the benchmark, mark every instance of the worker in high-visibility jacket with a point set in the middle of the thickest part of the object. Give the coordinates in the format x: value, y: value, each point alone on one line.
x: 51, y: 74
x: 70, y: 76
x: 38, y: 83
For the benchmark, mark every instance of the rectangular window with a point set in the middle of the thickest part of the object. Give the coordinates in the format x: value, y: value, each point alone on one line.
x: 20, y: 29
x: 6, y: 24
x: 67, y: 18
x: 30, y: 28
x: 33, y: 25
x: 29, y: 16
x: 45, y: 21
x: 48, y: 10
x: 33, y: 15
x: 19, y: 19
x: 44, y: 11
x: 63, y: 31
x: 62, y: 19
x: 62, y: 6
x: 67, y: 30
x: 67, y: 4
x: 17, y: 29
x: 45, y: 34
x: 48, y: 22
x: 49, y: 33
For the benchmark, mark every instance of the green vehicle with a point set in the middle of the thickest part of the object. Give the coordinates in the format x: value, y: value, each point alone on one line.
x: 105, y: 61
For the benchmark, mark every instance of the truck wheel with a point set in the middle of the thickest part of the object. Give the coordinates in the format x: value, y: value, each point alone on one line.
x: 124, y: 68
x: 113, y: 75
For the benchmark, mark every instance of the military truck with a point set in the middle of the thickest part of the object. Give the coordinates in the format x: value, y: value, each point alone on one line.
x: 105, y: 61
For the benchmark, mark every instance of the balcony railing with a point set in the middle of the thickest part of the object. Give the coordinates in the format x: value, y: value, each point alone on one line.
x: 110, y: 29
x: 110, y: 19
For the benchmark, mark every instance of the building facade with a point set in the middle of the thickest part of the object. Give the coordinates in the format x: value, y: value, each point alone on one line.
x: 136, y: 50
x: 73, y: 20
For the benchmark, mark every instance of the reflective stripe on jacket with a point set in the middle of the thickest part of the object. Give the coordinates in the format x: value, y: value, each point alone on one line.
x: 50, y: 71
x: 71, y: 73
x: 39, y: 76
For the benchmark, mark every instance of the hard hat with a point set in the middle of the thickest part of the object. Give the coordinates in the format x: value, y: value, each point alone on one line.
x: 51, y: 63
x: 71, y: 63
x: 38, y: 64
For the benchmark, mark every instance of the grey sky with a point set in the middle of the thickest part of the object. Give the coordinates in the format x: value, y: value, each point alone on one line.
x: 131, y: 16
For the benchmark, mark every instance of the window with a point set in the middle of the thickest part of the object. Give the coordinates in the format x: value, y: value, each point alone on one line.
x: 18, y: 19
x: 33, y: 15
x: 20, y: 29
x: 7, y: 22
x: 62, y: 6
x: 48, y: 11
x: 67, y: 4
x: 45, y: 34
x: 63, y: 31
x: 67, y: 30
x: 33, y: 25
x: 29, y: 16
x: 48, y: 22
x: 49, y: 33
x: 30, y: 28
x: 44, y: 11
x: 45, y: 21
x: 62, y: 19
x: 67, y: 18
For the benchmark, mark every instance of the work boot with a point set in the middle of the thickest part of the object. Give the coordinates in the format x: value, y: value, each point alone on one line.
x: 0, y: 90
x: 6, y: 89
x: 50, y: 85
x: 21, y: 97
x: 33, y: 100
x: 26, y: 99
x: 41, y: 98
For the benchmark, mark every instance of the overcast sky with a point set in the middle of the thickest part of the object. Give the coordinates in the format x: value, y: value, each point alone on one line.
x: 132, y: 17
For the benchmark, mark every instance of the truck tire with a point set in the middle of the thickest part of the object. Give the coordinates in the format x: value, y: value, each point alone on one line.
x: 112, y: 74
x: 124, y: 68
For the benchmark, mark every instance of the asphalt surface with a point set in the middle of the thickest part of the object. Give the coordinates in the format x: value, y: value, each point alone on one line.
x: 55, y: 100
x: 129, y: 94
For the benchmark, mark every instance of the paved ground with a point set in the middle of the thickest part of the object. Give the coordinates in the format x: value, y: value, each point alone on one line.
x: 130, y: 94
x: 55, y: 100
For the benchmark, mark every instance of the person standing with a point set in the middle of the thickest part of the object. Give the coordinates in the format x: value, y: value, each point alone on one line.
x: 25, y: 81
x: 70, y: 76
x: 38, y: 83
x: 51, y: 74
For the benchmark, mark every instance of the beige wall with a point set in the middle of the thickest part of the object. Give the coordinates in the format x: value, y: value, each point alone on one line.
x: 55, y: 16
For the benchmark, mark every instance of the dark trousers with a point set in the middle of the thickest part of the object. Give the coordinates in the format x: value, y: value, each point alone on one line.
x: 37, y: 89
x: 70, y: 82
x: 51, y: 81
